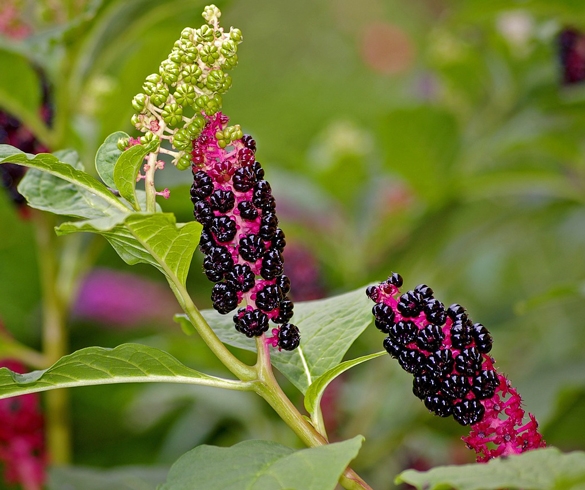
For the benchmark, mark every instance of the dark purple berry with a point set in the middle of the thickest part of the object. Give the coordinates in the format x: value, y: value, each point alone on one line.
x: 252, y: 323
x: 410, y: 304
x: 454, y: 311
x: 461, y: 334
x: 434, y: 311
x: 244, y: 179
x: 424, y: 291
x: 430, y: 338
x: 202, y: 186
x: 249, y: 142
x: 217, y: 263
x: 241, y: 277
x: 468, y: 412
x: 251, y: 248
x: 483, y: 339
x: 258, y: 171
x: 247, y: 210
x: 262, y: 195
x: 440, y: 363
x: 395, y: 280
x: 438, y: 405
x: 224, y: 228
x: 383, y: 317
x: 224, y: 297
x: 272, y: 264
x: 425, y: 384
x: 203, y: 213
x: 283, y: 282
x: 268, y: 298
x: 403, y: 332
x: 285, y: 311
x: 289, y: 337
x: 222, y: 201
x: 485, y: 384
x: 455, y: 387
x: 392, y: 347
x: 278, y: 241
x: 412, y: 361
x: 268, y: 225
x: 468, y: 362
x: 246, y: 157
x: 373, y: 292
x: 206, y: 242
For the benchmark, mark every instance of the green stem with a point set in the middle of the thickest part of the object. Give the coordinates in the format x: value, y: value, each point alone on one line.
x: 237, y: 367
x: 54, y: 339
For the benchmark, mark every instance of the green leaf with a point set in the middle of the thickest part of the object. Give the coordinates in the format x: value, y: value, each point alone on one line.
x: 123, y: 478
x: 20, y: 87
x: 85, y: 197
x: 154, y: 239
x: 539, y: 469
x: 126, y: 170
x: 317, y: 388
x: 262, y: 465
x: 328, y: 328
x: 127, y: 363
x: 107, y: 156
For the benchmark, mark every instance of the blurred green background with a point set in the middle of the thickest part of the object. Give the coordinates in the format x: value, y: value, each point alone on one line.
x: 433, y: 138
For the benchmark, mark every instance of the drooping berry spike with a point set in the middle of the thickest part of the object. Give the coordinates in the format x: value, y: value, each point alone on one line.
x: 453, y: 374
x: 241, y: 240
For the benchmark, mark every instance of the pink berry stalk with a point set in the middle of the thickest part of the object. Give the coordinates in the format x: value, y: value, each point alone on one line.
x: 454, y: 374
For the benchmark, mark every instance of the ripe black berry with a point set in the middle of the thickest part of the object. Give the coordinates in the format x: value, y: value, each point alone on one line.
x: 251, y: 247
x: 392, y: 347
x: 468, y: 362
x: 438, y: 405
x: 440, y: 363
x: 283, y: 282
x: 262, y: 195
x: 268, y: 298
x: 224, y: 297
x: 430, y: 338
x: 222, y: 201
x: 395, y: 280
x: 468, y: 412
x: 224, y: 228
x: 241, y: 277
x: 249, y: 142
x: 203, y: 213
x: 461, y: 334
x: 483, y: 339
x: 285, y: 311
x: 424, y: 291
x: 289, y: 337
x: 252, y: 323
x: 485, y: 384
x: 272, y: 264
x: 247, y: 210
x: 244, y: 179
x: 258, y: 171
x: 268, y: 225
x: 455, y: 310
x: 206, y: 242
x: 410, y: 305
x: 217, y: 263
x: 455, y: 387
x: 434, y: 311
x: 412, y: 361
x: 202, y: 186
x: 403, y: 332
x: 278, y: 241
x: 425, y: 384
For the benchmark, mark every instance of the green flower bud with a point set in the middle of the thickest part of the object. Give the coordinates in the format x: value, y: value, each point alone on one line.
x: 123, y: 143
x: 172, y: 114
x: 211, y: 14
x: 150, y: 140
x: 202, y: 101
x: 153, y: 78
x: 205, y: 34
x: 229, y: 48
x: 214, y: 80
x: 193, y: 130
x: 190, y: 74
x: 236, y: 35
x: 209, y: 54
x: 185, y: 95
x: 136, y: 121
x: 183, y: 162
x: 161, y: 95
x: 139, y: 101
x: 187, y: 33
x: 149, y: 87
x: 182, y: 141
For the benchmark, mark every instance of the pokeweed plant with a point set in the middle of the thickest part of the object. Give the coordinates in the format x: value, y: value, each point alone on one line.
x: 179, y: 113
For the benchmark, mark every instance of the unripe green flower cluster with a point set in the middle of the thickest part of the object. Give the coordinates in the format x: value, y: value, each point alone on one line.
x: 188, y: 83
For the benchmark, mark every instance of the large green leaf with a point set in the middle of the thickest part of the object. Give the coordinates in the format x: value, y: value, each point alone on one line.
x: 262, y: 465
x: 317, y: 388
x: 154, y: 239
x: 328, y: 328
x: 20, y: 87
x: 126, y: 170
x: 85, y: 196
x: 107, y: 156
x: 127, y: 363
x: 541, y: 469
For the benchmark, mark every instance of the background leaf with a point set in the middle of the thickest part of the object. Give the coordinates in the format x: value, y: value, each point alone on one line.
x: 318, y: 387
x: 107, y: 156
x: 127, y: 363
x: 88, y: 197
x: 541, y: 469
x: 124, y: 478
x: 328, y: 329
x: 262, y: 465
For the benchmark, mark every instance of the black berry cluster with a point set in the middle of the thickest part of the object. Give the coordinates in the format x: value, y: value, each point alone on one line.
x: 441, y: 347
x: 241, y: 240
